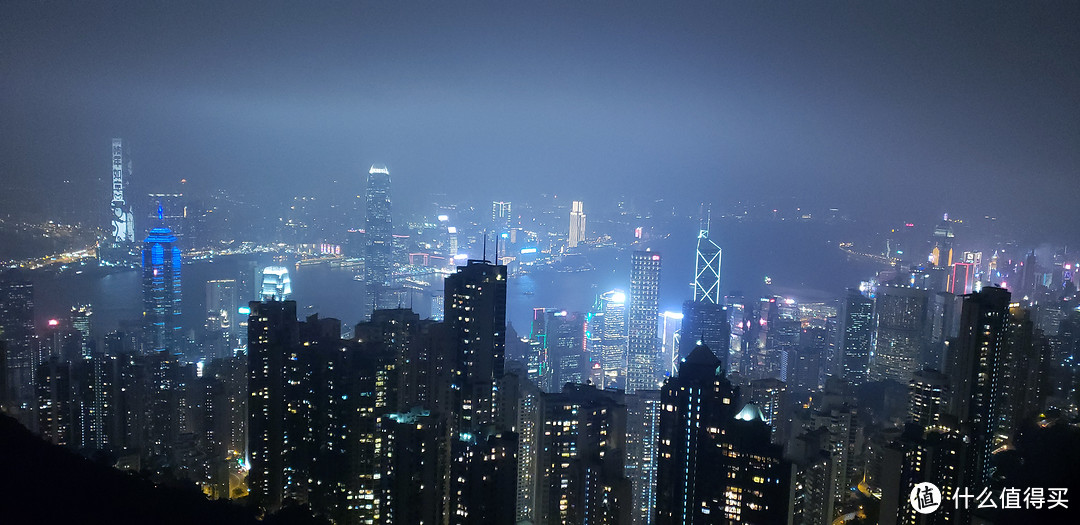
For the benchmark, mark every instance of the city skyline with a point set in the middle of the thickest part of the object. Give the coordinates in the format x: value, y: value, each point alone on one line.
x: 816, y: 101
x: 329, y: 264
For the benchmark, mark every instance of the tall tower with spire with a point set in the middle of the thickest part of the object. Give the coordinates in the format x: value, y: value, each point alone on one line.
x: 707, y: 265
x: 161, y: 287
x: 705, y: 320
x: 378, y: 253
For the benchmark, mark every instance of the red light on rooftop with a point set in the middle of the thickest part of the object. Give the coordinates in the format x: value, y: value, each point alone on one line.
x: 54, y: 322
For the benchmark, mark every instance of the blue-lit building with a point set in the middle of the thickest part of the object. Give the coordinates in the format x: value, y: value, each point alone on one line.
x: 161, y: 289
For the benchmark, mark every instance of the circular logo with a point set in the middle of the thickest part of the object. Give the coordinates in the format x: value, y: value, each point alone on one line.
x: 925, y: 498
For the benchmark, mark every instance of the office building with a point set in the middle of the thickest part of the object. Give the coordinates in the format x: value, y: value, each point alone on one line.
x: 81, y: 317
x: 122, y: 222
x: 275, y: 284
x: 17, y: 331
x: 378, y: 253
x: 705, y: 323
x: 577, y: 233
x: 856, y: 337
x: 611, y: 320
x: 161, y: 290
x: 900, y: 315
x: 962, y: 279
x: 641, y: 348
x: 670, y: 340
x: 716, y: 464
x: 707, y: 267
x: 501, y: 216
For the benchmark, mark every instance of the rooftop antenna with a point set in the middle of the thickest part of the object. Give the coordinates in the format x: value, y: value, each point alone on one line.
x: 485, y: 245
x: 497, y: 249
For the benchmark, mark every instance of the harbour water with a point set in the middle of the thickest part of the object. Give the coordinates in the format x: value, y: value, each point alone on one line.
x: 801, y: 259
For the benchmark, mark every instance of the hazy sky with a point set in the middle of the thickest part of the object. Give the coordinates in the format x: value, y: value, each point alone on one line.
x: 970, y: 108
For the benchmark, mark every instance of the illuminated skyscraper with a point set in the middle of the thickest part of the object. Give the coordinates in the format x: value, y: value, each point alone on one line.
x: 378, y: 255
x: 17, y: 330
x: 707, y: 268
x: 962, y: 278
x: 275, y: 420
x: 902, y: 333
x: 928, y: 391
x: 122, y: 222
x: 978, y: 368
x: 942, y: 254
x: 857, y: 336
x: 705, y: 323
x: 581, y: 456
x: 161, y: 289
x: 475, y: 306
x: 612, y: 328
x: 705, y: 320
x: 577, y: 224
x: 501, y: 216
x: 275, y: 284
x: 641, y: 324
x: 80, y: 321
x: 670, y: 338
x: 716, y: 463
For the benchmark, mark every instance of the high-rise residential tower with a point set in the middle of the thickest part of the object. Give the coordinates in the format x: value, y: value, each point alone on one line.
x: 978, y: 368
x: 475, y: 302
x: 577, y: 224
x: 161, y: 289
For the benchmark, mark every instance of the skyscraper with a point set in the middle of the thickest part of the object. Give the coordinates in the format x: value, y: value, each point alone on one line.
x: 978, y: 368
x: 929, y: 390
x: 581, y: 455
x: 856, y: 337
x: 716, y: 464
x: 17, y: 329
x: 275, y: 284
x: 577, y: 224
x: 274, y: 426
x: 705, y: 319
x: 612, y: 321
x: 641, y: 324
x: 378, y: 255
x: 501, y: 216
x: 707, y: 268
x: 80, y: 321
x: 122, y: 222
x: 902, y: 333
x: 161, y: 289
x: 705, y: 323
x: 962, y: 279
x: 475, y: 305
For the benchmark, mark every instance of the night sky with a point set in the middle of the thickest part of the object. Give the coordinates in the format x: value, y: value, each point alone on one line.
x: 908, y: 107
